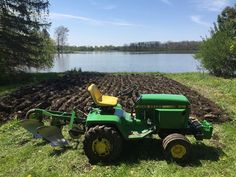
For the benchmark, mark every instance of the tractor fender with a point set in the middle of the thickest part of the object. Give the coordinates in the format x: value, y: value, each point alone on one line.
x: 111, y: 121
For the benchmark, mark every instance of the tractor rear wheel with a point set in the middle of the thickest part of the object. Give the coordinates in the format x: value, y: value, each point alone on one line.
x: 176, y: 147
x: 102, y: 144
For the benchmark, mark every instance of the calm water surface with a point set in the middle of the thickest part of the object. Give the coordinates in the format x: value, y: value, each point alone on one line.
x: 125, y: 62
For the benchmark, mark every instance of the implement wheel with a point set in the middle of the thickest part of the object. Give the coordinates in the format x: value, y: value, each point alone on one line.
x: 102, y: 144
x: 176, y: 147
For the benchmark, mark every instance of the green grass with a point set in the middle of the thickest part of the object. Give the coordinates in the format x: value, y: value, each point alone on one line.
x: 20, y: 155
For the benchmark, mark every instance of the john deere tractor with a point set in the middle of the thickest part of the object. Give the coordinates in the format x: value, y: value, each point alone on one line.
x: 107, y: 125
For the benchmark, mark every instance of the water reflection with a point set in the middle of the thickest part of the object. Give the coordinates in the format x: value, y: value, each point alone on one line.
x: 125, y: 62
x: 62, y: 62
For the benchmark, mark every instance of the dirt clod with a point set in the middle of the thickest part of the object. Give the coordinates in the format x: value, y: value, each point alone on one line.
x: 69, y: 91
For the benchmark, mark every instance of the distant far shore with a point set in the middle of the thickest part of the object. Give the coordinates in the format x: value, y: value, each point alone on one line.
x: 150, y: 47
x: 139, y: 52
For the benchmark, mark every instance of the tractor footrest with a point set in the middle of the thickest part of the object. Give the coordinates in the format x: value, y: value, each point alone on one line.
x: 52, y: 134
x: 137, y: 135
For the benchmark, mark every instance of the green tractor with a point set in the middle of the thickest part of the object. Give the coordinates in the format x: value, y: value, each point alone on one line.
x: 107, y: 126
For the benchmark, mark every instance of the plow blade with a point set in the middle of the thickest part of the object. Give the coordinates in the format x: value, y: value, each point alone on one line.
x: 53, y: 135
x: 32, y: 125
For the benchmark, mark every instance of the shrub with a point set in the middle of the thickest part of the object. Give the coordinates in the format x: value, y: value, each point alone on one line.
x: 217, y: 54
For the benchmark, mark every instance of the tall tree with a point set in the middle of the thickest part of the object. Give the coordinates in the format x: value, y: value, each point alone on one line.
x: 218, y: 53
x: 227, y: 20
x: 61, y: 34
x: 24, y: 42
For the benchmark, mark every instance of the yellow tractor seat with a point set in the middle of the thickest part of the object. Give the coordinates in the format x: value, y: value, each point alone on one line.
x: 99, y: 99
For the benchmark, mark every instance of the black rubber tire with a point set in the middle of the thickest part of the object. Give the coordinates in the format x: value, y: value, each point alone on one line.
x: 176, y: 139
x: 75, y: 133
x: 108, y: 133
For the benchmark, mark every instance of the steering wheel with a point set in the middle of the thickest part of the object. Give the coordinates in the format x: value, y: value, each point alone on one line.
x: 127, y: 91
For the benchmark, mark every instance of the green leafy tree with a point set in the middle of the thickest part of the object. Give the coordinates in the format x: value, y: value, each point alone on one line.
x: 227, y: 20
x: 233, y: 47
x: 218, y: 53
x: 24, y: 39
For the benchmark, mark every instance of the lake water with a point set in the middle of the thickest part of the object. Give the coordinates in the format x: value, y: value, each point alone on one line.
x: 125, y: 62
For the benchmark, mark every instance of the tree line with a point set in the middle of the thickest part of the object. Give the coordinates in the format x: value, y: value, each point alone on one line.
x: 25, y: 41
x: 152, y: 46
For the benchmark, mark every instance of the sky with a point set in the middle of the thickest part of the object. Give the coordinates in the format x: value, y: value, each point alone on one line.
x: 119, y: 22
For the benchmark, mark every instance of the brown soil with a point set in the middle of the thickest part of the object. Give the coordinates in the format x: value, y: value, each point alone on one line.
x: 70, y: 91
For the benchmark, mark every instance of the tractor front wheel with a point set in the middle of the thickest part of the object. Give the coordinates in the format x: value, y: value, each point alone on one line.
x: 102, y: 144
x: 176, y: 147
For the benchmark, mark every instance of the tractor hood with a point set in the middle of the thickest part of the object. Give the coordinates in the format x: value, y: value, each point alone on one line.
x: 162, y: 100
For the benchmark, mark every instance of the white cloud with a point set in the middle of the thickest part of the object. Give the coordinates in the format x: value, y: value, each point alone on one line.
x: 212, y: 5
x: 91, y: 20
x: 198, y: 19
x: 60, y: 15
x: 166, y: 2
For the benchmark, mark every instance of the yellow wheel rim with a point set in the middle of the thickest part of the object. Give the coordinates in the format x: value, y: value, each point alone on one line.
x: 178, y: 151
x: 101, y: 147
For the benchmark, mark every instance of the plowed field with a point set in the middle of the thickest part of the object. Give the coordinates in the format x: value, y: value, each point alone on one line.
x: 70, y: 91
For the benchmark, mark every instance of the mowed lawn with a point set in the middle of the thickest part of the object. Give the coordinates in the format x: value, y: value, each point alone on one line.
x: 20, y: 155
